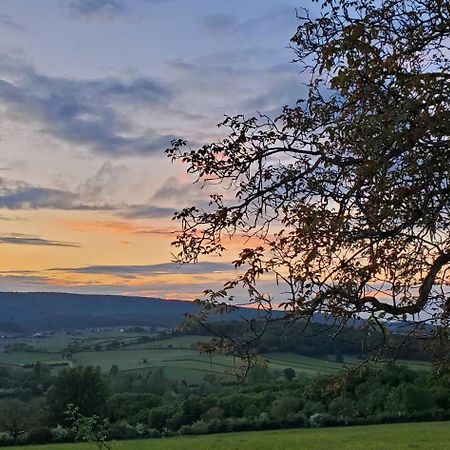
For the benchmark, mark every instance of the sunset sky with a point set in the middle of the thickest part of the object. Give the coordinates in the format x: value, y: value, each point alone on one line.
x: 91, y: 93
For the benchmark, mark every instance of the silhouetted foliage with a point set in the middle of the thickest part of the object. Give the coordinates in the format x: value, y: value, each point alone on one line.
x: 82, y: 387
x: 346, y: 194
x: 289, y: 373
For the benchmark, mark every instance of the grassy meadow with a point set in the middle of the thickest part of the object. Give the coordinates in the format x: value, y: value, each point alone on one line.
x: 418, y: 436
x: 177, y: 355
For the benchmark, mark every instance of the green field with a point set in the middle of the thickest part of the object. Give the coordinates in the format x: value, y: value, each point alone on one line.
x: 177, y: 355
x: 426, y: 436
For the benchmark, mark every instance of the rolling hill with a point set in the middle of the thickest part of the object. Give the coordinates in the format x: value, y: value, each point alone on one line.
x: 38, y: 311
x: 45, y: 310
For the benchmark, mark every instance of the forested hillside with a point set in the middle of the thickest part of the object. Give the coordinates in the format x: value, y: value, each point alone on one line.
x: 37, y: 311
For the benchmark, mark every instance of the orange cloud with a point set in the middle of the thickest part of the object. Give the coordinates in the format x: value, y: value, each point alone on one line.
x: 115, y: 227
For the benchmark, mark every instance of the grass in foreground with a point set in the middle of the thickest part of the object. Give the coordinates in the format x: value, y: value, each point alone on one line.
x: 426, y: 436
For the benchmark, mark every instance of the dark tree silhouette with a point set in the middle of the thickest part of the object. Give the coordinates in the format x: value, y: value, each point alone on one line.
x: 289, y: 373
x: 83, y: 388
x: 348, y: 192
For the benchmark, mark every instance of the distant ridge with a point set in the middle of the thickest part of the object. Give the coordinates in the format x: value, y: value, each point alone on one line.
x: 34, y: 311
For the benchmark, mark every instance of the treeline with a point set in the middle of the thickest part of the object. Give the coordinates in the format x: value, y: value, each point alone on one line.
x: 36, y: 407
x: 316, y: 339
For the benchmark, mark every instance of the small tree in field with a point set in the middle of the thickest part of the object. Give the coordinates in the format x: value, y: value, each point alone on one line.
x: 346, y: 193
x: 289, y: 373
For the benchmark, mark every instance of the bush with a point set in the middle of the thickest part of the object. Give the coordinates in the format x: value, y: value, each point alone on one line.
x: 61, y: 434
x: 157, y: 417
x: 251, y: 411
x: 5, y: 439
x: 216, y: 426
x: 185, y: 429
x: 439, y: 414
x: 239, y: 424
x: 122, y: 430
x: 41, y: 435
x: 177, y: 420
x: 214, y: 413
x: 153, y: 433
x: 200, y: 427
x: 298, y: 419
x: 312, y: 408
x: 319, y: 420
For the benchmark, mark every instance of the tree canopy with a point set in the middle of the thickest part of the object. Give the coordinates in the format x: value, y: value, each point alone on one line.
x: 347, y: 191
x: 83, y: 388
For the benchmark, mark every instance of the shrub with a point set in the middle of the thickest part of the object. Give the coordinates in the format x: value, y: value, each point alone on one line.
x: 216, y: 426
x: 40, y: 435
x: 214, y: 413
x: 318, y: 420
x: 153, y: 433
x: 251, y: 411
x: 200, y: 427
x: 298, y: 419
x: 5, y: 439
x: 61, y: 434
x: 122, y: 430
x: 185, y: 429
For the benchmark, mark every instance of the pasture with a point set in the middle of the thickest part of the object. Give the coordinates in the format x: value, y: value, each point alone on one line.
x: 136, y: 352
x: 418, y: 436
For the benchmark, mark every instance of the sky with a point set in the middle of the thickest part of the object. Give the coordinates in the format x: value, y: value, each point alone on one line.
x: 91, y: 94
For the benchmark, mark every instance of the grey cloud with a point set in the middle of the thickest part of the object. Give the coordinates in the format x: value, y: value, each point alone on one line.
x: 103, y: 10
x: 104, y: 181
x: 8, y: 22
x: 281, y: 17
x: 24, y: 239
x: 220, y: 22
x: 164, y: 2
x: 161, y: 231
x: 177, y: 191
x: 143, y: 90
x: 285, y: 90
x: 17, y: 195
x: 146, y: 211
x: 243, y: 90
x: 19, y: 282
x: 153, y: 269
x: 20, y: 195
x: 96, y: 9
x: 254, y: 56
x: 85, y: 112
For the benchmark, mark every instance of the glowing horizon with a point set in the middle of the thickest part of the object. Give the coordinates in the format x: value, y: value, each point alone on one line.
x: 90, y: 97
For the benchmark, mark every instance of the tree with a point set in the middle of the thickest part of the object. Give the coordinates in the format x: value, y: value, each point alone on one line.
x: 158, y: 383
x: 284, y: 408
x: 346, y: 194
x: 258, y: 374
x: 417, y: 398
x: 289, y: 373
x: 131, y: 406
x: 114, y: 370
x: 82, y: 387
x: 18, y: 417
